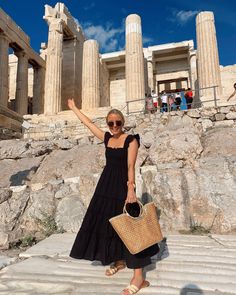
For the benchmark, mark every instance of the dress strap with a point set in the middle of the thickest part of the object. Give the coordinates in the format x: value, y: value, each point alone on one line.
x: 130, y: 138
x: 107, y: 136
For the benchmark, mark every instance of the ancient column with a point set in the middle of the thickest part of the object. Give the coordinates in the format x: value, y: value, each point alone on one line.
x: 38, y: 90
x: 207, y: 53
x: 21, y: 100
x: 134, y: 60
x: 90, y: 75
x: 54, y: 68
x: 4, y: 87
x: 150, y: 74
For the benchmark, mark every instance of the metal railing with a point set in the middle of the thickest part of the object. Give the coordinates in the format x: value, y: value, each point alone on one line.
x: 197, y: 103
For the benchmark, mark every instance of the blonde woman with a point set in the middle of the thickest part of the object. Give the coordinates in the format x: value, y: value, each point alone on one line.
x: 96, y: 239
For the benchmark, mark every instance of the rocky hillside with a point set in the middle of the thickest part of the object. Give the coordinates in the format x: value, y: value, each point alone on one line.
x: 186, y: 163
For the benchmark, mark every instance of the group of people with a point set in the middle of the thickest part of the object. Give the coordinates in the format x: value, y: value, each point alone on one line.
x: 167, y: 101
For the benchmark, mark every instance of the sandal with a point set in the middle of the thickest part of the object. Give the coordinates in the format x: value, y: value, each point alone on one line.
x: 114, y: 269
x: 132, y: 289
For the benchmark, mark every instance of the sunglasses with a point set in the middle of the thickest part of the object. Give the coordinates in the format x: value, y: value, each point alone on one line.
x: 111, y: 123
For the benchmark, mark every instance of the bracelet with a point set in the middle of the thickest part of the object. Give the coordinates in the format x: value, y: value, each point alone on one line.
x: 131, y: 183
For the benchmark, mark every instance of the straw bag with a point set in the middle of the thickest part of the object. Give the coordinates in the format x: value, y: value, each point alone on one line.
x: 138, y: 233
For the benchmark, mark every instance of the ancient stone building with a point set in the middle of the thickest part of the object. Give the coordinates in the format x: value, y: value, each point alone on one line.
x: 71, y: 66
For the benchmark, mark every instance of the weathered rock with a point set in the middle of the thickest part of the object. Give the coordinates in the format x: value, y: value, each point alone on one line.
x: 219, y: 117
x: 206, y: 124
x: 66, y: 164
x: 220, y: 141
x: 226, y: 123
x: 70, y: 213
x: 148, y: 139
x: 63, y: 191
x: 18, y: 172
x: 5, y: 194
x: 231, y: 116
x: 169, y: 147
x: 4, y: 242
x: 193, y: 113
x: 13, y: 149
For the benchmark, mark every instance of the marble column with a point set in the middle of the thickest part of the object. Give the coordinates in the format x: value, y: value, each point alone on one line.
x: 38, y: 90
x: 4, y: 58
x: 90, y: 75
x: 207, y: 53
x: 53, y: 77
x: 151, y: 85
x: 134, y: 60
x: 21, y: 100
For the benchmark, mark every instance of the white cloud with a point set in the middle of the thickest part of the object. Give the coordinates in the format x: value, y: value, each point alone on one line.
x: 108, y: 37
x: 147, y: 40
x: 184, y: 16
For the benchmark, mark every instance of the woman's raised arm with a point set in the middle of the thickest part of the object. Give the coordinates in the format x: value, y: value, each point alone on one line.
x: 99, y: 133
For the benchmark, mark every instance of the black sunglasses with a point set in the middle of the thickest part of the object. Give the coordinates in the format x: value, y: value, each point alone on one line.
x: 111, y: 123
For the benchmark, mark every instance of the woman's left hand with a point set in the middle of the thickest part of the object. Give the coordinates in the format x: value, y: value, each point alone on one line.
x: 131, y: 196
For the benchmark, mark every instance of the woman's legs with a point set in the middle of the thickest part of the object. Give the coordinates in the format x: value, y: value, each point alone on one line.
x: 118, y: 265
x: 137, y: 280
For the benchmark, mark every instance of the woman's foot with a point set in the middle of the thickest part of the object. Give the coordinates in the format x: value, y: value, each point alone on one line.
x: 135, y: 285
x: 113, y: 269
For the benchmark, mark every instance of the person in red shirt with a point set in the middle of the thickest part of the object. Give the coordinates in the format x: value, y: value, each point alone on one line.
x: 189, y: 98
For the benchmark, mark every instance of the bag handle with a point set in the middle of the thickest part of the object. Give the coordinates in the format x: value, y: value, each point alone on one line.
x: 140, y: 213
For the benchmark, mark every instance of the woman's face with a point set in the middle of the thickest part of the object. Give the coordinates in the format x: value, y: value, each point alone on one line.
x: 115, y: 123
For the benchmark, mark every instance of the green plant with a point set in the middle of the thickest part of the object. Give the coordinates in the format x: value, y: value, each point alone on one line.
x: 28, y: 241
x: 48, y: 224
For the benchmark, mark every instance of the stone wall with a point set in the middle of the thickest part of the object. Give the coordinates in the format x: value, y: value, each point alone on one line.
x: 186, y: 164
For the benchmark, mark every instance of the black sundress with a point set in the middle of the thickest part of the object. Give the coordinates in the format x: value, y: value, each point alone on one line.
x: 96, y: 239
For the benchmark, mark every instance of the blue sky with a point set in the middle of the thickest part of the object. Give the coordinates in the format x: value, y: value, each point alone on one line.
x: 163, y: 21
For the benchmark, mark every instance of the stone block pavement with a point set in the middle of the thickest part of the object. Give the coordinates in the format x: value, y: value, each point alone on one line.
x: 186, y: 265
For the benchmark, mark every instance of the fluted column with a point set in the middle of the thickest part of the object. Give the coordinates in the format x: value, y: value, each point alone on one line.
x: 207, y: 53
x: 4, y: 57
x: 134, y: 61
x: 38, y: 90
x: 21, y: 104
x: 150, y: 73
x: 54, y: 68
x: 90, y: 75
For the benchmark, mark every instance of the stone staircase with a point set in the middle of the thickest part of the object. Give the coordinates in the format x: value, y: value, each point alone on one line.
x: 186, y: 265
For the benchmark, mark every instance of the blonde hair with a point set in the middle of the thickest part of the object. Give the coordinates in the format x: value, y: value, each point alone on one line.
x: 116, y: 112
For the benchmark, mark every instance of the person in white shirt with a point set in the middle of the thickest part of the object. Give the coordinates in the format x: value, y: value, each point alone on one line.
x: 164, y: 99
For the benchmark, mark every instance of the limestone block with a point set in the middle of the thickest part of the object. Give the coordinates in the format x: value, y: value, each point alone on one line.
x: 224, y: 142
x: 219, y: 117
x: 225, y: 123
x: 225, y: 110
x: 193, y: 113
x: 206, y: 124
x: 231, y: 116
x: 69, y: 214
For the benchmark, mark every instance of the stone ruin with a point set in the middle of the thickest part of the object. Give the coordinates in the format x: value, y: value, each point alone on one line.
x: 71, y: 66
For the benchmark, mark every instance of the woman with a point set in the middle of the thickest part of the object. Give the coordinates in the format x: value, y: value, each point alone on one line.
x: 96, y: 239
x: 233, y: 94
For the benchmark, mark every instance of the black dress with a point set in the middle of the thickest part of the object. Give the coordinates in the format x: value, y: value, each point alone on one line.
x: 96, y: 239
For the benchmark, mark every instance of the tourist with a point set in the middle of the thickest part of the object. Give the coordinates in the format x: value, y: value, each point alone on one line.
x: 171, y: 101
x: 178, y: 100
x: 189, y: 98
x: 96, y: 239
x: 149, y: 106
x: 233, y: 94
x: 155, y: 99
x: 164, y: 106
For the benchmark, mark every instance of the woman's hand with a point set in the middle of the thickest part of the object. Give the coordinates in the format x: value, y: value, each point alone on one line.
x: 71, y: 103
x: 131, y: 196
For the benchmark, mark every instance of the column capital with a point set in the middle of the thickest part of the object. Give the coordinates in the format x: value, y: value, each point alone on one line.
x: 20, y: 53
x: 56, y: 24
x: 3, y: 36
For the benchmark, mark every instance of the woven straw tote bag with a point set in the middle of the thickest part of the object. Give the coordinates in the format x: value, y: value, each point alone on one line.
x: 138, y: 233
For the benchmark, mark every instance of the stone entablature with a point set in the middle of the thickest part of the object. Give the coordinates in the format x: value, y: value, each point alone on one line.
x: 11, y: 36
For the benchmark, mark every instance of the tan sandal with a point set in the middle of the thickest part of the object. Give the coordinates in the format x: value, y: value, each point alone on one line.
x: 132, y: 289
x: 114, y: 269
